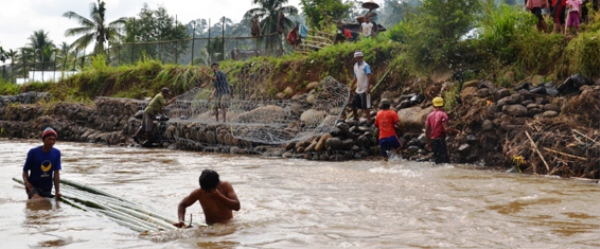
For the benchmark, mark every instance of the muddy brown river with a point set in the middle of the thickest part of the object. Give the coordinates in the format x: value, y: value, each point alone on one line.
x: 303, y: 204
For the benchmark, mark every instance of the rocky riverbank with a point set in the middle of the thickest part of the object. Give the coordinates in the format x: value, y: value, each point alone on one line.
x: 535, y: 127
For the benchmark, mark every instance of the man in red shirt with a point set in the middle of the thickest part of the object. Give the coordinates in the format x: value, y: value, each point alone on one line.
x: 436, y: 129
x: 385, y: 121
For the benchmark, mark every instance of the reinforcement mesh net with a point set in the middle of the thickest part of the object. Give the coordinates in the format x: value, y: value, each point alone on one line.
x: 253, y: 117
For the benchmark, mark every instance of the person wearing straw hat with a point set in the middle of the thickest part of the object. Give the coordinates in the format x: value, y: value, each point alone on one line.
x: 436, y: 129
x: 42, y: 167
x: 386, y: 121
x: 370, y: 14
x: 154, y: 108
x: 361, y: 98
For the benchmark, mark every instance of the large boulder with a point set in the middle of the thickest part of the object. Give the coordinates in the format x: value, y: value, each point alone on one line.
x: 312, y: 85
x: 573, y: 83
x: 414, y: 116
x: 515, y: 110
x: 263, y: 115
x: 312, y: 117
x: 467, y: 94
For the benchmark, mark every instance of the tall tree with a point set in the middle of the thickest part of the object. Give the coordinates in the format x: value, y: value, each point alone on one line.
x: 40, y: 49
x: 95, y: 29
x: 157, y: 35
x: 12, y: 55
x: 3, y: 60
x: 394, y: 11
x: 321, y: 13
x: 269, y: 13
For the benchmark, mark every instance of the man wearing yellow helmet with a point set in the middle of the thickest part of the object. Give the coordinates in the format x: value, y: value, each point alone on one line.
x: 436, y: 129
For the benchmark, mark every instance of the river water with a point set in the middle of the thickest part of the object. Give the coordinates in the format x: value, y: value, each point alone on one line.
x: 303, y: 204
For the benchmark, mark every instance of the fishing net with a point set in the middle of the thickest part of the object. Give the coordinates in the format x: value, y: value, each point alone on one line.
x: 255, y: 118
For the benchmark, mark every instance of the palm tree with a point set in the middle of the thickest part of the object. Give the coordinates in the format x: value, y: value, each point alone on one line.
x: 269, y: 14
x: 40, y: 47
x: 3, y: 59
x: 12, y: 55
x: 95, y: 29
x: 64, y: 50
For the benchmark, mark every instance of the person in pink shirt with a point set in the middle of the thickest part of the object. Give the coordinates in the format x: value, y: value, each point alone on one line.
x: 574, y: 10
x: 436, y: 129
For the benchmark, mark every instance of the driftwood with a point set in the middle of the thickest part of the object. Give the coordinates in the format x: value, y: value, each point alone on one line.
x: 538, y: 152
x: 564, y: 154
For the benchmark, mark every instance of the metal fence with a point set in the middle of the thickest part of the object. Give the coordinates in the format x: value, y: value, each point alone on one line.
x: 31, y: 66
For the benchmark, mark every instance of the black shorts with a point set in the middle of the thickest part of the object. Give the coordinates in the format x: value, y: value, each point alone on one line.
x: 440, y: 151
x: 558, y: 13
x: 537, y: 12
x: 361, y: 101
x: 38, y: 191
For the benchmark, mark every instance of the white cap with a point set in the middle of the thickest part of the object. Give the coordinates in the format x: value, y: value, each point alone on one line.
x: 358, y: 54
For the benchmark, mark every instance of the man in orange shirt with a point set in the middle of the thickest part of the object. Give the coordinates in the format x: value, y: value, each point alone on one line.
x: 385, y: 121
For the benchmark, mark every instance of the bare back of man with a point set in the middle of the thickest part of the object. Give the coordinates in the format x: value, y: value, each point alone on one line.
x: 217, y: 203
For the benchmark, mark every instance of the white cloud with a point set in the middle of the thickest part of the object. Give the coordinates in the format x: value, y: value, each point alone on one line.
x: 20, y: 18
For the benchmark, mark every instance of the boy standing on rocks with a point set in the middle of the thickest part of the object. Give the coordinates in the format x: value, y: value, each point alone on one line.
x: 436, y: 129
x: 385, y: 121
x: 222, y: 92
x: 361, y: 96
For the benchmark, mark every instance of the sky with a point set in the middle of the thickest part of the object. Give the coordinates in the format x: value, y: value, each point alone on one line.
x: 20, y: 18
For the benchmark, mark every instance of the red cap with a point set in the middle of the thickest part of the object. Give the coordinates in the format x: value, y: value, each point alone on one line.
x: 49, y: 132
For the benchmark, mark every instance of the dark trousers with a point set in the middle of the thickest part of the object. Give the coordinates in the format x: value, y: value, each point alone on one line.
x: 440, y: 151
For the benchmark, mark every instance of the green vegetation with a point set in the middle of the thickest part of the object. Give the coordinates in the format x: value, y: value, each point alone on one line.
x: 505, y: 40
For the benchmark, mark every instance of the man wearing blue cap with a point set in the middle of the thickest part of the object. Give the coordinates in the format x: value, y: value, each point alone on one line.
x: 42, y: 168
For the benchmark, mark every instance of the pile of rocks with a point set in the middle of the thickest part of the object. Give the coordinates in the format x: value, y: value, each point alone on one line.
x: 349, y: 140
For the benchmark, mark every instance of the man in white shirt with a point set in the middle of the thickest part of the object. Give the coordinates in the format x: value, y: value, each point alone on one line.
x: 366, y: 28
x: 361, y: 98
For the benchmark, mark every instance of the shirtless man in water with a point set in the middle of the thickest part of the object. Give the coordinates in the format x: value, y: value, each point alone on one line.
x: 216, y: 197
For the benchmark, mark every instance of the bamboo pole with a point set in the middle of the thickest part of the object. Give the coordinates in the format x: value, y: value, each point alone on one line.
x: 126, y: 204
x: 90, y: 189
x: 163, y: 224
x: 123, y: 212
x: 126, y: 207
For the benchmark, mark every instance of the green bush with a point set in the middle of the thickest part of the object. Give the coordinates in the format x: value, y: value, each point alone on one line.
x: 582, y: 54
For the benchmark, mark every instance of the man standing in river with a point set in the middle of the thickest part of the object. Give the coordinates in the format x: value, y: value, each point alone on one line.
x: 436, y: 129
x: 386, y: 121
x: 42, y: 168
x: 217, y: 198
